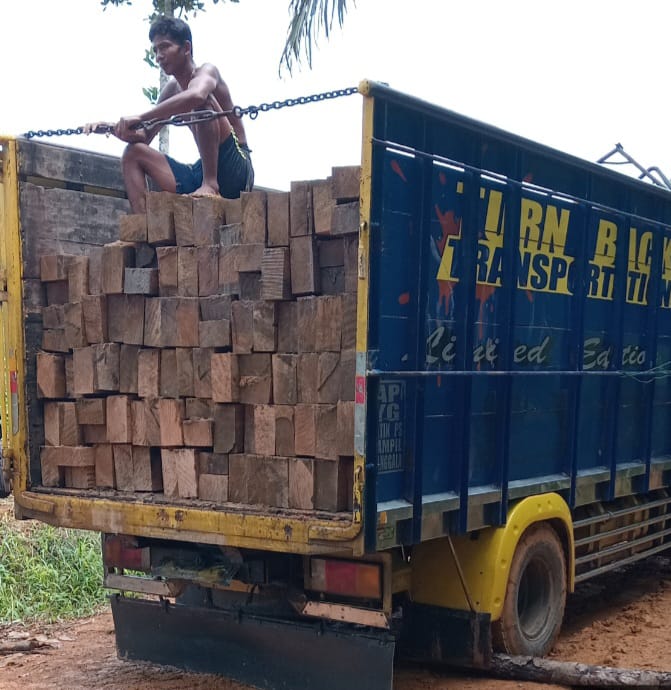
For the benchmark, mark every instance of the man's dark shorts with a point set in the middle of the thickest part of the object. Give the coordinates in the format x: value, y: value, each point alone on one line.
x: 234, y: 173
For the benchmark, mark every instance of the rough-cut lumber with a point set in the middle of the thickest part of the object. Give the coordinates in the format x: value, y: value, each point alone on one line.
x: 57, y: 292
x: 208, y: 270
x: 79, y: 477
x: 180, y: 472
x: 50, y: 375
x: 287, y: 327
x: 171, y: 322
x: 215, y: 308
x: 260, y: 430
x: 123, y: 466
x: 145, y: 423
x: 214, y: 334
x: 299, y: 208
x: 255, y: 378
x: 213, y: 487
x: 264, y: 328
x: 209, y: 214
x: 116, y: 258
x: 305, y: 430
x: 202, y: 373
x: 345, y: 427
x: 278, y: 218
x: 212, y: 463
x: 160, y: 218
x: 285, y: 385
x: 104, y: 466
x: 133, y: 227
x: 328, y: 323
x: 128, y: 368
x: 170, y: 416
x: 225, y: 377
x: 229, y: 432
x: 253, y: 205
x: 182, y: 208
x: 184, y: 372
x: 301, y: 483
x: 73, y: 329
x: 61, y: 426
x: 167, y: 258
x: 199, y: 408
x: 141, y: 281
x: 306, y: 323
x: 345, y: 219
x: 147, y: 471
x: 187, y: 272
x: 242, y: 326
x: 307, y: 377
x: 328, y: 377
x: 119, y: 420
x: 54, y: 267
x: 94, y: 313
x: 78, y: 278
x: 53, y: 316
x: 326, y: 427
x: 333, y: 484
x: 148, y: 368
x: 322, y: 207
x: 345, y: 182
x: 125, y: 318
x: 197, y: 432
x: 169, y: 383
x: 90, y: 411
x: 276, y: 274
x: 250, y: 285
x: 304, y: 265
x: 285, y: 442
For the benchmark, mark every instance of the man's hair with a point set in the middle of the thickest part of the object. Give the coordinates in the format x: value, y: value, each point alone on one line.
x: 175, y: 29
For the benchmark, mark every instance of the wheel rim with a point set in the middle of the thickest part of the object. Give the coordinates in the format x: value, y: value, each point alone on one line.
x: 533, y: 599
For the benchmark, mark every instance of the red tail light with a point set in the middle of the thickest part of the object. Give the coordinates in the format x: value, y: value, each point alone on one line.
x: 346, y: 578
x: 123, y: 552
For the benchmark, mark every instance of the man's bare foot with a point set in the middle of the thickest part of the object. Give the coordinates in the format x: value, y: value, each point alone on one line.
x: 206, y: 190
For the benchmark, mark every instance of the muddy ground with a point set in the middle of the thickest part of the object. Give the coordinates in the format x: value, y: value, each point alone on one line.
x: 618, y: 620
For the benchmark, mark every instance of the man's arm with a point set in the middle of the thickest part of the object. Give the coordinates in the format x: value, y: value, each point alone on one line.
x: 174, y: 102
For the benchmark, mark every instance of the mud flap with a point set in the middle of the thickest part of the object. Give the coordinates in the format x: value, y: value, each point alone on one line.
x: 267, y: 653
x: 449, y: 636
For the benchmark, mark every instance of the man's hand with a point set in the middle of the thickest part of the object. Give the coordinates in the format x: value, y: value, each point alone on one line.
x: 128, y: 130
x: 98, y: 128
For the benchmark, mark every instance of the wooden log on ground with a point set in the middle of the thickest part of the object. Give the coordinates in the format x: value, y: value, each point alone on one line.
x: 575, y: 674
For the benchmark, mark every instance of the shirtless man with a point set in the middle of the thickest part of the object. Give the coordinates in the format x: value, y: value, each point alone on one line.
x: 225, y: 166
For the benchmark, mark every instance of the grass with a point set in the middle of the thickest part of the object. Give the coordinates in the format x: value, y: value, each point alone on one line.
x: 48, y: 574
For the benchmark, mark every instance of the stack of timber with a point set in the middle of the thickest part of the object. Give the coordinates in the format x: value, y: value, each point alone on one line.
x: 209, y: 352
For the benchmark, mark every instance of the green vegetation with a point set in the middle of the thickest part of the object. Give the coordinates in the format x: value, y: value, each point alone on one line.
x: 47, y: 573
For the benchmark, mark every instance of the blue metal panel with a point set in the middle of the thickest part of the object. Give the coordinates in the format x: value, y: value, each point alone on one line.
x: 519, y: 317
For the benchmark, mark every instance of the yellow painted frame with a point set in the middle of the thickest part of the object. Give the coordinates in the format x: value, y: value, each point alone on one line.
x: 485, y: 561
x: 12, y: 380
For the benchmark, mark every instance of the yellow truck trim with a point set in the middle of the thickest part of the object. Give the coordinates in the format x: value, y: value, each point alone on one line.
x: 168, y: 521
x: 485, y: 560
x: 12, y: 386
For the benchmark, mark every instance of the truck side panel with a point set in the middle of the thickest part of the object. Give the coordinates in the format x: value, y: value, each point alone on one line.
x: 518, y: 325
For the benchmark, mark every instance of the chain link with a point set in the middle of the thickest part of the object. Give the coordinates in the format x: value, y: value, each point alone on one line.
x: 201, y: 116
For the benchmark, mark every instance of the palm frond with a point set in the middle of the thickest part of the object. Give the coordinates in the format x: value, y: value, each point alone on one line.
x: 308, y: 18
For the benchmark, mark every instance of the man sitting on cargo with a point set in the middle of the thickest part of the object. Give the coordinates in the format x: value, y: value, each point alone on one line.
x: 224, y: 166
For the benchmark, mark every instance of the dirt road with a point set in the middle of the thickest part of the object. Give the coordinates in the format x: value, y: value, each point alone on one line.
x: 619, y: 620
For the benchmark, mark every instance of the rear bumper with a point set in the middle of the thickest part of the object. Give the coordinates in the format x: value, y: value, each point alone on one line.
x: 261, y: 651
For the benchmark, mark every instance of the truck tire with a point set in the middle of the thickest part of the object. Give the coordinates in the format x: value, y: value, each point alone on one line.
x: 533, y: 608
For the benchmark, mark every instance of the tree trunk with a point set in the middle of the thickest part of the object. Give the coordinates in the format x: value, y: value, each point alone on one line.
x: 574, y: 674
x: 164, y: 134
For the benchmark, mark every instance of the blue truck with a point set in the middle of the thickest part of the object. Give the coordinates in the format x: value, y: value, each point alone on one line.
x: 511, y: 415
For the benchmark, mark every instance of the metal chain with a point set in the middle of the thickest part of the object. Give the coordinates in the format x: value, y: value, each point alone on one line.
x: 203, y: 115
